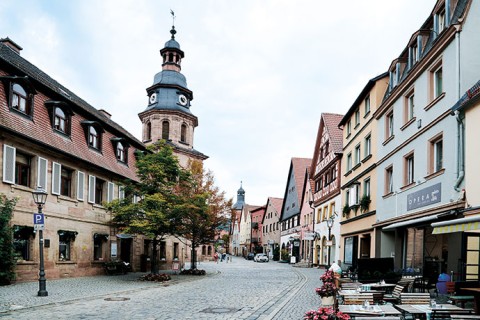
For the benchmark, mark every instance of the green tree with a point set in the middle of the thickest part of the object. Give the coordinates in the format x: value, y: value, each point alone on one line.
x: 202, y: 211
x: 7, y: 254
x: 159, y: 176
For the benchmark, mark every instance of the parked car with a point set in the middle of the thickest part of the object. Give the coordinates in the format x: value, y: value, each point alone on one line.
x: 260, y: 257
x: 250, y: 256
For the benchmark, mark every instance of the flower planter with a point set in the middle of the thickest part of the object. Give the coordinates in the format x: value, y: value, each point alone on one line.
x: 328, y: 301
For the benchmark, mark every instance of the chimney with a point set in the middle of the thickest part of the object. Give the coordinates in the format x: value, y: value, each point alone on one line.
x: 10, y: 43
x: 105, y: 113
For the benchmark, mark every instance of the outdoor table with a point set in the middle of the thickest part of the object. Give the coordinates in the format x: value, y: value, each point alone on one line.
x: 386, y: 287
x: 373, y: 310
x: 377, y: 295
x: 476, y: 298
x: 424, y: 310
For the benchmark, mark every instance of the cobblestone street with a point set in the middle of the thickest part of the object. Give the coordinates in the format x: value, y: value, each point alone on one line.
x: 238, y: 290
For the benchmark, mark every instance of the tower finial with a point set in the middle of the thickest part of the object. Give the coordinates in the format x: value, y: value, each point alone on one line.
x: 173, y: 24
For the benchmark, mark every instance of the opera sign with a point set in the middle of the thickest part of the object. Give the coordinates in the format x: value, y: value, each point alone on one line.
x: 424, y: 197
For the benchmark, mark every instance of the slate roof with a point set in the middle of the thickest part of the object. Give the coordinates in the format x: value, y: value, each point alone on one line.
x: 298, y: 166
x: 40, y: 131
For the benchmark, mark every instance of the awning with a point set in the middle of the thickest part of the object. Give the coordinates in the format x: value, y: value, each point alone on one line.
x: 124, y: 236
x: 457, y: 225
x: 410, y: 222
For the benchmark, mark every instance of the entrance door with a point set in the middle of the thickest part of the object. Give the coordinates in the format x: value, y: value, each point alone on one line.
x: 365, y: 241
x: 125, y: 250
x: 472, y: 257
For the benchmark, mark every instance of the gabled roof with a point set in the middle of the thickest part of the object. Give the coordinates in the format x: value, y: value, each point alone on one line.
x: 276, y: 203
x: 329, y: 123
x: 298, y: 167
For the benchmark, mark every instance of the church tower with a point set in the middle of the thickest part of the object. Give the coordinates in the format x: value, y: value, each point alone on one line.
x: 168, y: 114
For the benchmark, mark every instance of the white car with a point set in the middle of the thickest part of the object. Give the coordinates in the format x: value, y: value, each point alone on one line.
x: 260, y: 257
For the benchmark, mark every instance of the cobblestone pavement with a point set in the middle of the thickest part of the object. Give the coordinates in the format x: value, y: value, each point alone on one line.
x: 238, y: 290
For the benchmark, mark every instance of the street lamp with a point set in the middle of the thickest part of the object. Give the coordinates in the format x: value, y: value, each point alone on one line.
x: 312, y: 242
x: 40, y: 197
x: 329, y: 225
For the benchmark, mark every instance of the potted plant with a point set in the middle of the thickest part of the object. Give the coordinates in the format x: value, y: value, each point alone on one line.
x: 346, y: 210
x: 328, y: 290
x: 365, y: 203
x: 323, y: 313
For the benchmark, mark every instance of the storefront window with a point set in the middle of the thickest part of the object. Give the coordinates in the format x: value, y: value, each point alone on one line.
x: 414, y: 247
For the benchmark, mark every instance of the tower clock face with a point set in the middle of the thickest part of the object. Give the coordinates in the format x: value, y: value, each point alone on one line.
x: 182, y: 100
x: 153, y: 98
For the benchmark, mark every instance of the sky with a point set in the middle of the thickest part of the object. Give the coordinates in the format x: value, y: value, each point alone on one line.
x: 261, y: 71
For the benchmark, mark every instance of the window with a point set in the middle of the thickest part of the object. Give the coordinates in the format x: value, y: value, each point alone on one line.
x: 95, y: 190
x: 19, y: 99
x: 326, y: 148
x: 334, y: 173
x: 163, y: 250
x: 409, y: 169
x: 409, y: 106
x: 366, y: 187
x: 22, y: 169
x: 436, y: 80
x: 148, y: 131
x: 414, y: 56
x: 389, y: 125
x: 349, y: 162
x: 367, y: 105
x: 98, y: 245
x: 368, y: 145
x: 80, y: 184
x: 61, y: 180
x: 99, y: 191
x: 357, y: 154
x: 349, y: 128
x: 61, y: 121
x: 436, y: 154
x: 22, y: 242
x: 441, y: 21
x: 66, y: 239
x: 347, y: 197
x: 121, y: 152
x: 389, y: 180
x: 93, y: 138
x: 183, y: 135
x: 357, y: 117
x: 165, y: 130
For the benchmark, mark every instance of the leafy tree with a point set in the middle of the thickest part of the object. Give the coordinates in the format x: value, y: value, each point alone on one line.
x: 7, y: 254
x: 202, y: 210
x: 159, y: 175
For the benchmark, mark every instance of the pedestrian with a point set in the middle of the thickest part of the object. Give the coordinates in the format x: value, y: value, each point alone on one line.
x: 215, y: 257
x: 224, y: 255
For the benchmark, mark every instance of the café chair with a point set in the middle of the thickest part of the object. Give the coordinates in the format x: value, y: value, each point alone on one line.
x: 414, y: 298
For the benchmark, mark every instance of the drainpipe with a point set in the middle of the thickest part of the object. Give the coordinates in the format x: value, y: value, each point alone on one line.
x: 461, y: 124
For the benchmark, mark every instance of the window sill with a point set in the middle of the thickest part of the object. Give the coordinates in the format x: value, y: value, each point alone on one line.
x: 408, y: 123
x: 348, y: 135
x: 66, y: 198
x: 356, y: 126
x: 407, y: 186
x: 388, y: 195
x: 356, y: 166
x: 22, y: 187
x: 367, y: 158
x: 435, y: 174
x: 26, y: 263
x: 388, y: 140
x: 23, y: 114
x: 348, y: 172
x: 366, y: 114
x: 62, y: 134
x: 434, y: 102
x: 66, y: 262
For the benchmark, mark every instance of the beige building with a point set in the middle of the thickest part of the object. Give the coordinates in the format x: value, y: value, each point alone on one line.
x: 271, y: 226
x: 359, y: 179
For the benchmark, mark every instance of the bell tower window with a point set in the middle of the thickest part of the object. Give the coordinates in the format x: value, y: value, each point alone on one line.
x: 148, y: 131
x: 165, y: 130
x: 183, y: 135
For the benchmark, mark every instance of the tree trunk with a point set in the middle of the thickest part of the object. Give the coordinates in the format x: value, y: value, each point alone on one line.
x: 154, y: 264
x: 193, y: 264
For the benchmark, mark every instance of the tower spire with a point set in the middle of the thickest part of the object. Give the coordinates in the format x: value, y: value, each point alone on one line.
x: 173, y: 24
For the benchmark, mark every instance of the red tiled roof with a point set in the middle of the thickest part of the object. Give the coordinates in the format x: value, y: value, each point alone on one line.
x: 331, y: 121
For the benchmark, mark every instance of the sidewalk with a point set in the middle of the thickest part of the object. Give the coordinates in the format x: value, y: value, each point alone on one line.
x: 24, y: 295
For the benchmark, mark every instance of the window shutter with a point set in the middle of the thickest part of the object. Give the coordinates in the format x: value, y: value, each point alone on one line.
x: 80, y: 185
x: 56, y: 175
x: 121, y: 192
x: 9, y: 154
x: 111, y: 187
x: 91, y: 189
x: 42, y: 173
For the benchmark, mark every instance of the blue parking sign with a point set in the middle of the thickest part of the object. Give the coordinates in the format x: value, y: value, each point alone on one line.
x: 38, y: 218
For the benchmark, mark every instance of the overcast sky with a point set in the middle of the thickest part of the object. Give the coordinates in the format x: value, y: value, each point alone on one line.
x: 261, y: 71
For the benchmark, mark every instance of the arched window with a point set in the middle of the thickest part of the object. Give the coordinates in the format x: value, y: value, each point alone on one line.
x: 93, y: 138
x: 148, y: 131
x: 60, y: 121
x: 121, y: 156
x: 19, y: 99
x: 165, y: 129
x: 170, y: 57
x: 183, y: 135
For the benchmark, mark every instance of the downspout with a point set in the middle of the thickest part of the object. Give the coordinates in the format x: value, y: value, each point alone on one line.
x: 460, y: 123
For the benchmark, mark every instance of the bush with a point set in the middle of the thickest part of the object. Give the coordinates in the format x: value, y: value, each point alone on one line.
x: 7, y: 254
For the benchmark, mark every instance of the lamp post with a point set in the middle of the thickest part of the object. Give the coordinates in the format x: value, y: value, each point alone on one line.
x: 329, y: 225
x: 312, y: 242
x: 40, y: 197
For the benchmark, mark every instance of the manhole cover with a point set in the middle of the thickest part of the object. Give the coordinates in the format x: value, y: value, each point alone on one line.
x: 117, y: 299
x: 220, y: 310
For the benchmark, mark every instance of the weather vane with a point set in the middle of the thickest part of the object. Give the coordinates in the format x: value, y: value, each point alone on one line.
x: 173, y: 17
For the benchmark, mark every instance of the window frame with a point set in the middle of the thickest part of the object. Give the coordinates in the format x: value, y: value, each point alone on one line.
x: 358, y: 155
x: 409, y: 168
x: 435, y: 91
x: 389, y: 125
x: 368, y: 145
x: 389, y: 187
x: 435, y: 165
x: 367, y: 105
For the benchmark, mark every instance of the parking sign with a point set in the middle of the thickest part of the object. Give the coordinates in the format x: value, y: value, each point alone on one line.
x: 38, y: 218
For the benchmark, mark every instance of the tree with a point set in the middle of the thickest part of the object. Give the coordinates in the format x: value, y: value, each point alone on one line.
x: 159, y: 175
x: 202, y: 210
x: 7, y: 254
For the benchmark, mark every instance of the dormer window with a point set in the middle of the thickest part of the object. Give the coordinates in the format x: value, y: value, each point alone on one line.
x: 441, y: 21
x: 20, y: 94
x: 121, y: 156
x: 20, y: 99
x: 93, y: 134
x: 60, y: 116
x: 121, y: 149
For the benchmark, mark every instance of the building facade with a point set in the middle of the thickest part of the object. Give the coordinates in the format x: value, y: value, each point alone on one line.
x: 271, y: 226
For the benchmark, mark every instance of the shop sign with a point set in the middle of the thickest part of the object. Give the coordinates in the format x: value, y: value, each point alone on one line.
x: 424, y: 197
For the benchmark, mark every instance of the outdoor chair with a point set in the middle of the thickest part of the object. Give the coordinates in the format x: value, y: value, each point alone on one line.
x: 461, y: 299
x: 350, y: 285
x: 463, y: 316
x: 414, y: 298
x: 407, y: 283
x: 394, y: 297
x: 358, y: 298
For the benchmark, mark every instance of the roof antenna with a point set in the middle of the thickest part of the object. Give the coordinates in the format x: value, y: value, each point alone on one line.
x: 173, y: 24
